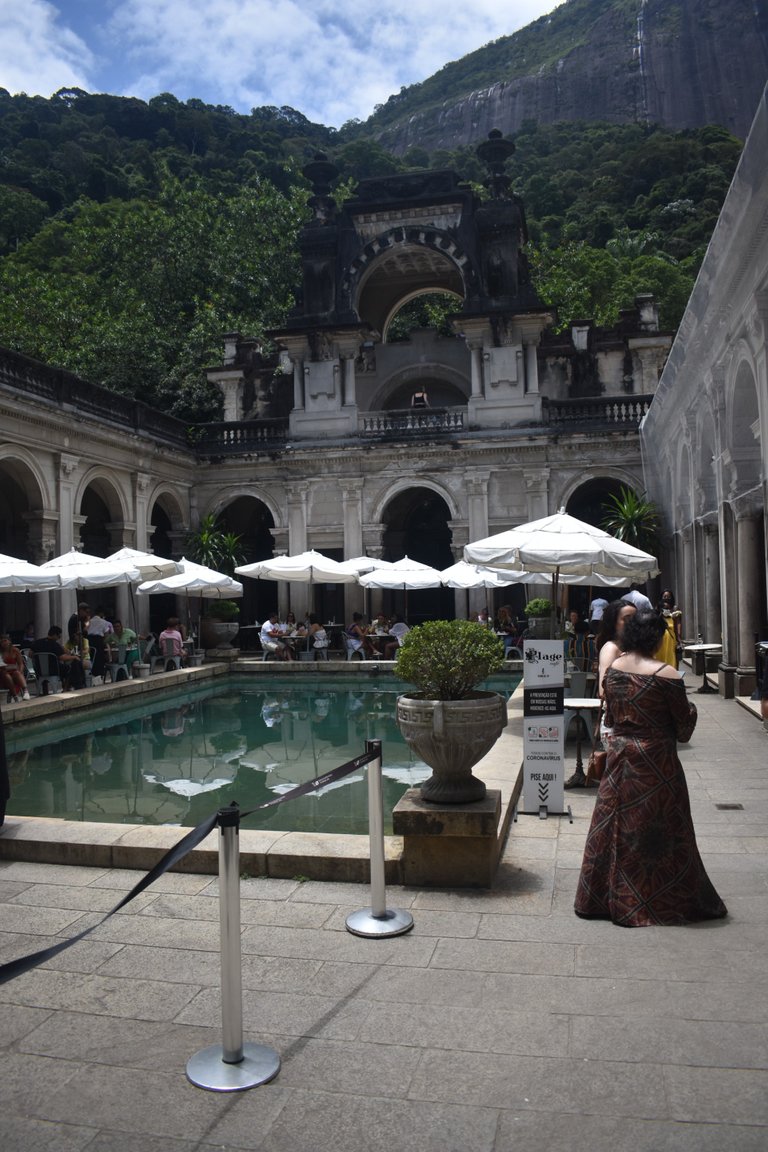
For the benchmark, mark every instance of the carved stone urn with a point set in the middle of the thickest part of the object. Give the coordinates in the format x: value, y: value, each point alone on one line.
x: 451, y: 736
x: 218, y: 633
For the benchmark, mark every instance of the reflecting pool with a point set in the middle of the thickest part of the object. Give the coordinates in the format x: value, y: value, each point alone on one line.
x: 175, y: 757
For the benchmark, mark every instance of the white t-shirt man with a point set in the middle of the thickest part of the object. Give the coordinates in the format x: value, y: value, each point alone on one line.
x: 641, y: 602
x: 597, y: 607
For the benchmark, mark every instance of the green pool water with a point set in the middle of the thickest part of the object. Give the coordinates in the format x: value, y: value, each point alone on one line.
x: 175, y: 758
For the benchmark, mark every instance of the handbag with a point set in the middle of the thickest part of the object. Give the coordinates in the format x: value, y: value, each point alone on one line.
x: 598, y: 756
x: 596, y: 764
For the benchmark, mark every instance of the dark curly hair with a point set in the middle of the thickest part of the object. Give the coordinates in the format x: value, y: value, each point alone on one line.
x: 643, y: 633
x: 608, y: 624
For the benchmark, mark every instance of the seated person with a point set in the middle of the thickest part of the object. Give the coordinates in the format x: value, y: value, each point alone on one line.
x: 272, y: 639
x: 70, y: 663
x: 505, y: 626
x: 318, y: 637
x: 171, y: 640
x: 399, y: 629
x: 12, y: 671
x: 126, y: 638
x: 483, y: 618
x: 358, y: 637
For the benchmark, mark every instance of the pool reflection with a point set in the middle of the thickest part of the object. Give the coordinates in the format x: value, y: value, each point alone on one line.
x: 177, y: 759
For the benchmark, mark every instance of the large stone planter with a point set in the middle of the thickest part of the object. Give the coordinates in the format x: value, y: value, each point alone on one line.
x: 218, y: 633
x: 451, y: 736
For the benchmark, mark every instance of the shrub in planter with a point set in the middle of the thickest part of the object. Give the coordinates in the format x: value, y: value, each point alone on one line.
x: 447, y: 721
x: 538, y: 607
x: 226, y: 610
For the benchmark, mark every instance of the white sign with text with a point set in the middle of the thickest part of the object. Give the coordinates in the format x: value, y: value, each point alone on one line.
x: 543, y: 758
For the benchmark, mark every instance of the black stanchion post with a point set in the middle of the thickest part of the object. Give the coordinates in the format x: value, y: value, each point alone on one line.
x: 231, y: 1066
x: 377, y: 920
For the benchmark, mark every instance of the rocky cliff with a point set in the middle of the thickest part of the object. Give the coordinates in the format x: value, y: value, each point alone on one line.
x: 678, y: 63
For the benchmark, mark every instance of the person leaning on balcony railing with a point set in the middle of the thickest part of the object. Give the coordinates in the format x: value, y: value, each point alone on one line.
x: 420, y: 399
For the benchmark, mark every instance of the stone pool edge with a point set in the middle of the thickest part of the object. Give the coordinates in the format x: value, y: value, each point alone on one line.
x: 276, y: 854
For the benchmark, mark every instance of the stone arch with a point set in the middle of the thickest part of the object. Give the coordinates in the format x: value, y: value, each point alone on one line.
x: 416, y: 522
x: 103, y: 507
x: 251, y: 516
x: 445, y: 386
x: 583, y: 497
x: 24, y: 469
x: 169, y: 523
x: 227, y: 496
x: 404, y: 484
x: 743, y: 428
x: 406, y: 299
x: 405, y: 262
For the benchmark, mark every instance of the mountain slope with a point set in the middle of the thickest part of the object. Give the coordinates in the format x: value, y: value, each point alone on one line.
x: 678, y: 63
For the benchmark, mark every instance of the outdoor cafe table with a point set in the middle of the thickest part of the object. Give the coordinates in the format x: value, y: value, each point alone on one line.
x: 705, y: 649
x: 577, y: 705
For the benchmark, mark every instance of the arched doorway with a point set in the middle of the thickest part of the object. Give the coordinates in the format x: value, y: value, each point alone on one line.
x: 587, y: 503
x: 416, y: 525
x: 17, y: 488
x: 251, y: 520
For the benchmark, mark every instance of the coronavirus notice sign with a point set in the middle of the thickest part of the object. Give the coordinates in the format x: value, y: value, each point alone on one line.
x: 543, y: 770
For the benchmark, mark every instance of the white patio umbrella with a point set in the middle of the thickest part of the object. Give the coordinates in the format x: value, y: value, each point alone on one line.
x: 359, y: 565
x: 565, y: 549
x: 79, y: 570
x: 149, y: 565
x: 402, y: 574
x: 464, y: 575
x: 562, y: 545
x: 303, y: 568
x: 194, y: 579
x: 21, y: 576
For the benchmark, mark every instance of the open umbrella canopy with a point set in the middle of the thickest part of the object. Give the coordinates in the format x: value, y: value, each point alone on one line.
x: 21, y: 576
x: 358, y: 565
x: 563, y: 546
x: 194, y: 579
x: 464, y: 575
x: 79, y: 570
x: 403, y: 574
x: 304, y: 568
x: 149, y: 565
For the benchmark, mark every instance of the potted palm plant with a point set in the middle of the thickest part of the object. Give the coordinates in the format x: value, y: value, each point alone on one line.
x: 448, y: 721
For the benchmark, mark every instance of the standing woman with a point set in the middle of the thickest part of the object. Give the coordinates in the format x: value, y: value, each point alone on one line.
x: 641, y: 865
x: 672, y: 640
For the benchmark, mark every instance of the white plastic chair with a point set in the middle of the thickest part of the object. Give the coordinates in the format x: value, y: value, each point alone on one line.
x: 350, y: 649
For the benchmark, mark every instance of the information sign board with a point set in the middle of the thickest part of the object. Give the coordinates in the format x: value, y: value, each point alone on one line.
x: 543, y: 759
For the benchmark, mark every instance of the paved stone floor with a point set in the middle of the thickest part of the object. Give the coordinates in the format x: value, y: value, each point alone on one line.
x: 500, y: 1022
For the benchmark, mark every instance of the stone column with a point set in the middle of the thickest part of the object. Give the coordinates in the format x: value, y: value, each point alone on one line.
x: 531, y: 367
x: 476, y: 365
x: 476, y: 487
x: 298, y: 386
x: 348, y: 390
x: 352, y: 514
x: 712, y: 630
x: 42, y: 546
x: 299, y: 595
x: 749, y: 561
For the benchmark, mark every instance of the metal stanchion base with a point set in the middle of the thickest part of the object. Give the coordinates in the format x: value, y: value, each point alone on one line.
x: 394, y: 922
x: 706, y: 688
x: 206, y: 1069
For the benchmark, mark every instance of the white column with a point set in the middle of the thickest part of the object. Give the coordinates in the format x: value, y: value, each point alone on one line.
x: 531, y: 368
x: 748, y: 560
x: 712, y: 623
x: 298, y: 386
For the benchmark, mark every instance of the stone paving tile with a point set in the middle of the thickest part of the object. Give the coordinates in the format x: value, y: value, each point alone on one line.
x: 495, y: 956
x: 559, y: 1085
x: 278, y: 1013
x: 21, y: 1077
x: 475, y: 1029
x: 162, y: 931
x: 35, y: 921
x: 123, y: 879
x: 129, y: 1100
x: 368, y: 1068
x: 286, y: 912
x: 203, y: 968
x: 327, y: 945
x: 127, y: 1142
x: 328, y: 1122
x: 141, y: 999
x: 718, y: 1095
x: 694, y: 1042
x: 256, y: 888
x: 21, y: 1134
x: 19, y: 1021
x: 124, y: 1043
x: 83, y: 899
x: 559, y: 1132
x: 10, y: 889
x: 449, y: 990
x: 65, y: 873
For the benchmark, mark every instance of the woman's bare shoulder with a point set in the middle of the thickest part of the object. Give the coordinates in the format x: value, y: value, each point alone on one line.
x: 668, y: 672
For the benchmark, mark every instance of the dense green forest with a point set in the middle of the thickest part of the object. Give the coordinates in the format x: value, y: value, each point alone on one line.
x: 133, y: 235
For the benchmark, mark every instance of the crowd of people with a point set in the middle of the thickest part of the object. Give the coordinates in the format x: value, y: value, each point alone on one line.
x: 93, y: 640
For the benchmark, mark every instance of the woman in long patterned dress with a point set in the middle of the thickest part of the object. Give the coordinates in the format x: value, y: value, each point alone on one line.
x: 641, y: 865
